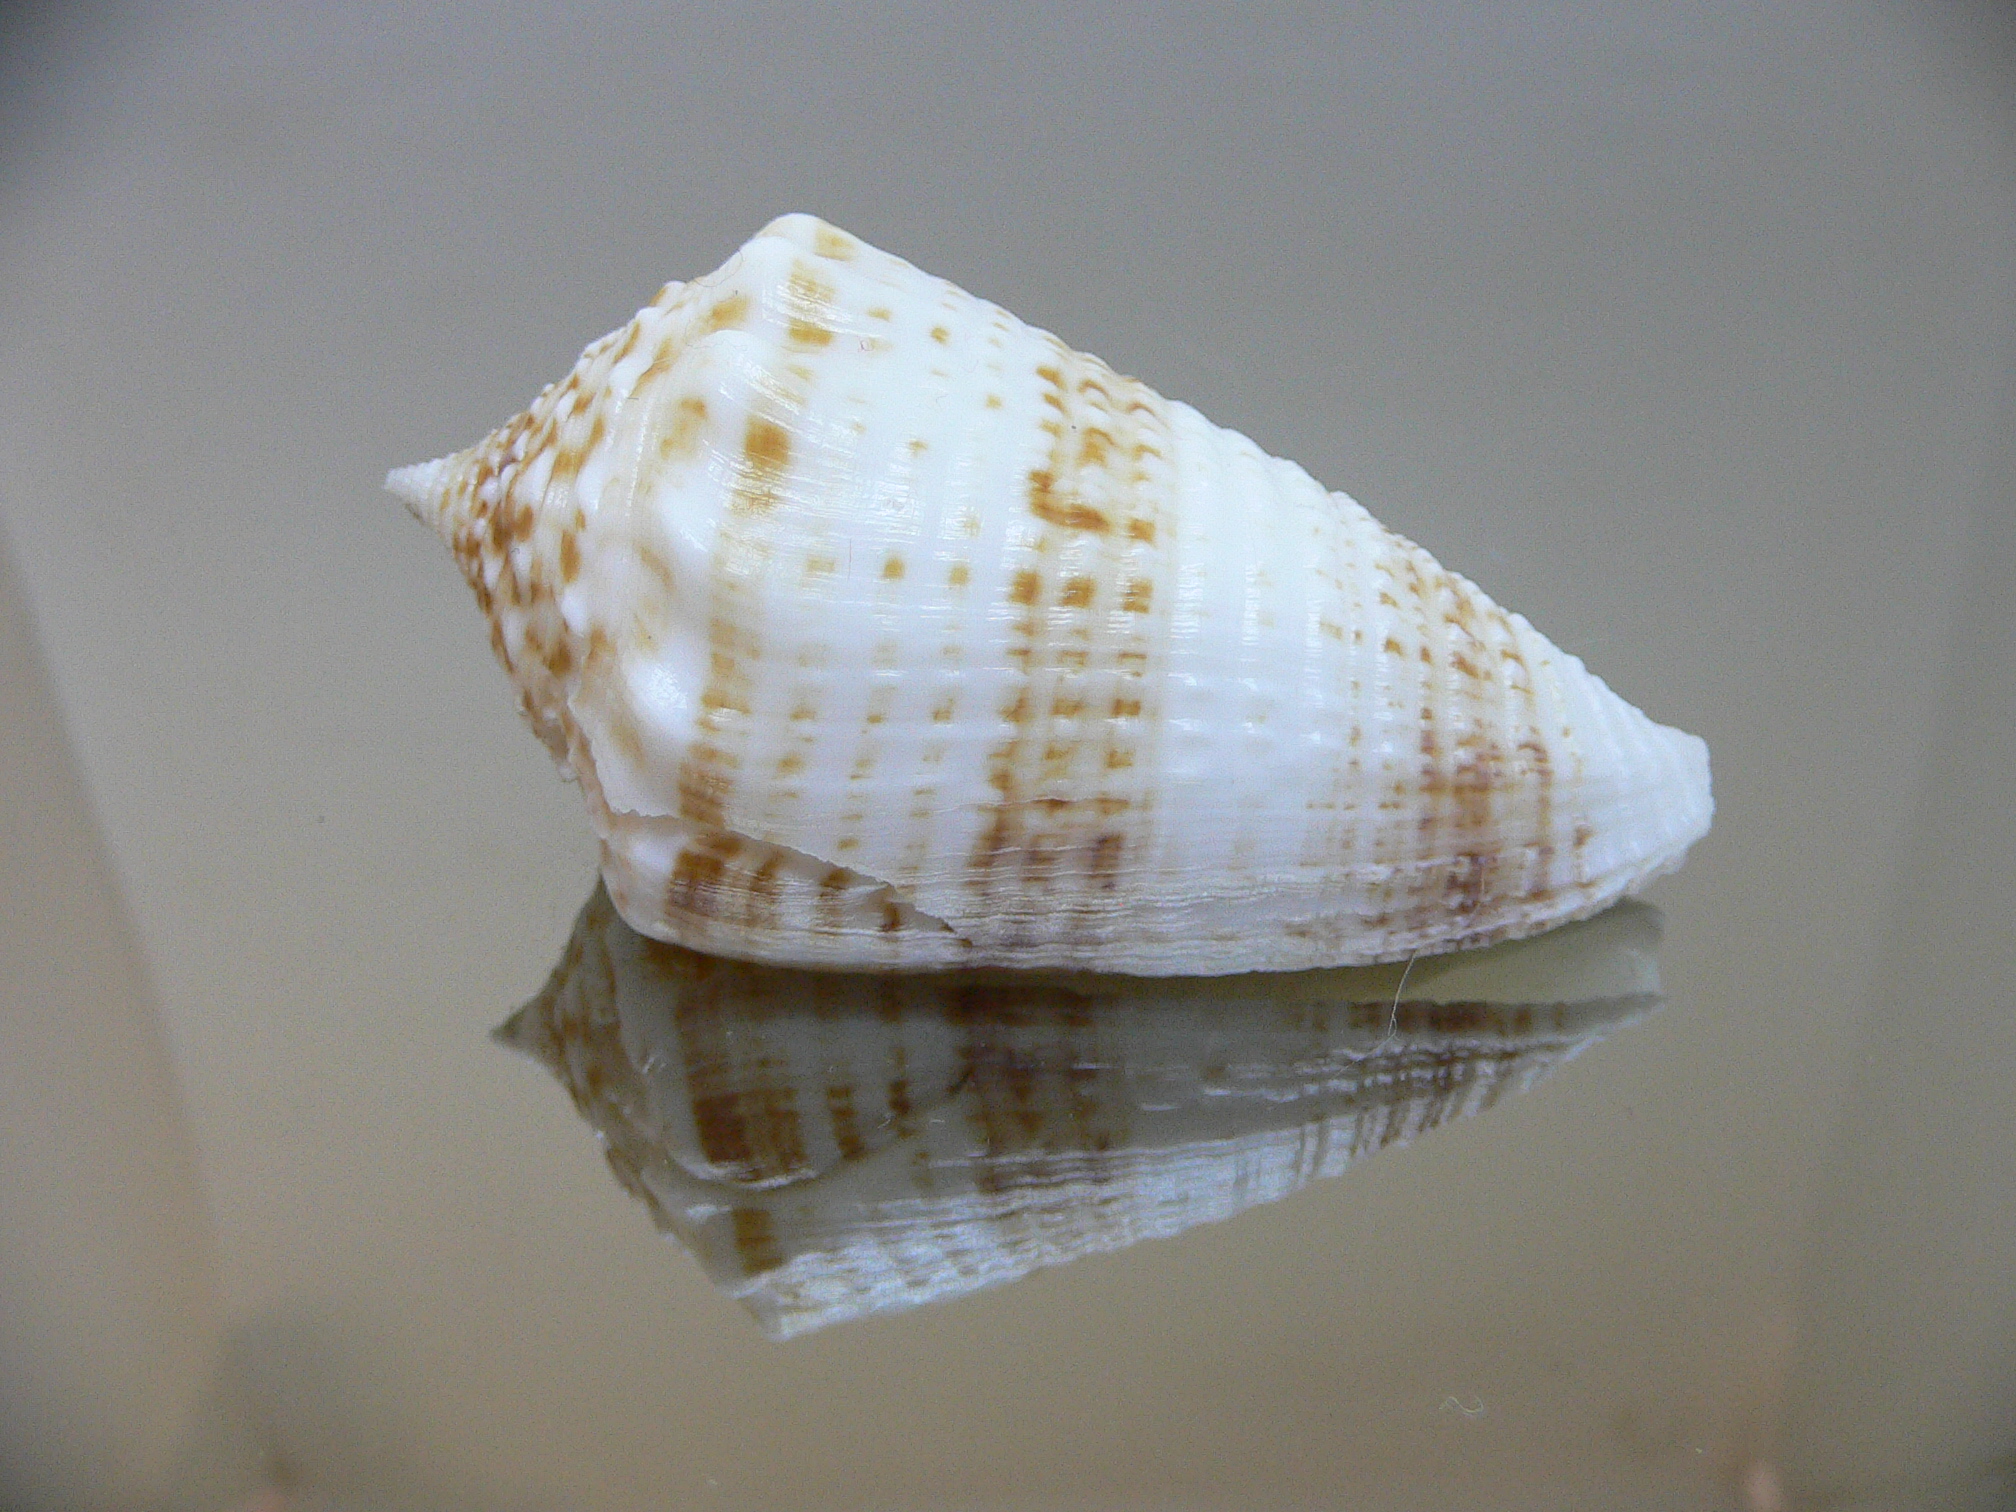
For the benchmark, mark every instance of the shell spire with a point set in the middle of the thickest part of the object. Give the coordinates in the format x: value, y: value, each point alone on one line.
x: 885, y: 630
x: 511, y: 509
x: 419, y: 488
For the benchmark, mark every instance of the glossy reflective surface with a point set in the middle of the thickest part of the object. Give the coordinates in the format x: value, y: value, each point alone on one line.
x: 831, y: 1145
x: 1686, y: 330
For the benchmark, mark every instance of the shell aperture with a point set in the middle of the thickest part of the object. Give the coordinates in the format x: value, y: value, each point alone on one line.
x: 884, y: 630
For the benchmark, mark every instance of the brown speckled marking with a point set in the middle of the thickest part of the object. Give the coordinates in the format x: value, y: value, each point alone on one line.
x: 755, y: 1240
x: 766, y: 451
x: 808, y: 297
x: 728, y: 313
x: 1479, y: 847
x: 680, y: 440
x: 845, y: 1122
x: 711, y: 766
x: 1344, y: 828
x: 522, y: 530
x: 1035, y: 1080
x: 834, y: 244
x: 745, y: 1112
x: 1071, y: 812
x: 696, y: 886
x: 513, y: 517
x: 1051, y: 505
x: 1433, y: 816
x: 834, y: 886
x: 803, y: 333
x: 1533, y: 761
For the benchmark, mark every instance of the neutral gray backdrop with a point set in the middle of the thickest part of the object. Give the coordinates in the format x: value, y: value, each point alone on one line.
x: 1687, y: 330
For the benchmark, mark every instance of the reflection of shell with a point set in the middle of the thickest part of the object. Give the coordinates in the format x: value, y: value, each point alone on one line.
x: 882, y: 629
x: 833, y: 1144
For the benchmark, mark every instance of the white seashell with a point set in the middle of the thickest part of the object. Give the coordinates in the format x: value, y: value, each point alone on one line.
x: 831, y: 1144
x: 882, y: 629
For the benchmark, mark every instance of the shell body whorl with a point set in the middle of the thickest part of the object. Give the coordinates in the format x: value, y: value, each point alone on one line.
x: 883, y: 630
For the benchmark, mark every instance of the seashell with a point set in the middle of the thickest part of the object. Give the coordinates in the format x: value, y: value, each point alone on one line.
x: 833, y: 1144
x: 884, y: 630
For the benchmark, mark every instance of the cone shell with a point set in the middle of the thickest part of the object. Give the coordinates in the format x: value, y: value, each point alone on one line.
x: 834, y: 1144
x: 883, y: 630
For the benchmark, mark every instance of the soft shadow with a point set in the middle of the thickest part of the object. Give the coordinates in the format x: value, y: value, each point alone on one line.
x: 831, y: 1144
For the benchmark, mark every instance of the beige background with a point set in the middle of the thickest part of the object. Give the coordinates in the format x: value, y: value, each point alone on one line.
x: 1686, y: 330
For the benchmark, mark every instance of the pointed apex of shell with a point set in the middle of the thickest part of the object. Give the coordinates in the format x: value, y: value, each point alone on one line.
x: 420, y: 488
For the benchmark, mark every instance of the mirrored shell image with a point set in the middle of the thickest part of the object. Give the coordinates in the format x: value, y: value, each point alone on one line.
x: 882, y: 630
x: 835, y: 1144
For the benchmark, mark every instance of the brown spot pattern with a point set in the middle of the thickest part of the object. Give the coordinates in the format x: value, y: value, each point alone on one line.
x: 728, y: 313
x: 745, y: 1117
x: 834, y: 244
x: 1070, y: 813
x: 711, y: 766
x: 514, y: 518
x: 766, y: 448
x: 1054, y: 507
x: 755, y: 1240
x: 680, y: 439
x: 1468, y: 834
